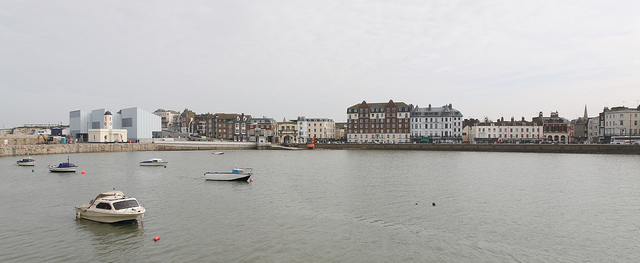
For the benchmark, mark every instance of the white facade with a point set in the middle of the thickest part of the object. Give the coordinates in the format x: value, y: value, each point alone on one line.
x: 303, y: 130
x: 79, y: 122
x: 621, y: 121
x: 506, y: 132
x: 107, y: 133
x: 443, y: 121
x: 321, y: 128
x: 593, y: 130
x: 138, y: 123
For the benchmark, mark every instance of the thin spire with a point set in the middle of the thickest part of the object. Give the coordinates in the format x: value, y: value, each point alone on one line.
x: 586, y: 116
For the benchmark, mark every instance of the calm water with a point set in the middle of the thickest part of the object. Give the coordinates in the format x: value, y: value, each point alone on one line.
x: 329, y: 206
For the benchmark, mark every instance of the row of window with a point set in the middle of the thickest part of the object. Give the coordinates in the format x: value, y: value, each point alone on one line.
x: 435, y: 126
x: 613, y: 116
x: 509, y: 129
x: 437, y: 119
x: 393, y: 125
x: 436, y: 134
x: 376, y: 136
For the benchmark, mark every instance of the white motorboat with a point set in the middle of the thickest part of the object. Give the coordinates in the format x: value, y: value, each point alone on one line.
x: 111, y: 207
x: 26, y: 162
x: 153, y: 162
x: 238, y: 174
x: 63, y: 167
x: 218, y: 153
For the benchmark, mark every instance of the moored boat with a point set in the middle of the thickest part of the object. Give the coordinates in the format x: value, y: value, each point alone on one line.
x: 238, y: 174
x: 111, y: 207
x: 26, y: 162
x: 154, y: 162
x: 218, y: 153
x: 63, y: 167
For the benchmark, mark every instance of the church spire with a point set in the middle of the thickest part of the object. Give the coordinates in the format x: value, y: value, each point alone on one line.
x: 586, y: 116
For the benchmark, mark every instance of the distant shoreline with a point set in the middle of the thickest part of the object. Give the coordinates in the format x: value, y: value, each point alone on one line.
x: 40, y: 149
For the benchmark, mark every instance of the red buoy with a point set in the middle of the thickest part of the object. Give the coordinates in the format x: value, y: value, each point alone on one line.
x: 82, y: 172
x: 156, y: 238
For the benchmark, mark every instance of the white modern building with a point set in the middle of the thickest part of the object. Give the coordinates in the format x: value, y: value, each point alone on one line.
x: 108, y: 133
x: 140, y: 125
x: 436, y: 124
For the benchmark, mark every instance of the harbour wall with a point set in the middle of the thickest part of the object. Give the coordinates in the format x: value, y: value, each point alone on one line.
x: 533, y: 148
x: 39, y: 149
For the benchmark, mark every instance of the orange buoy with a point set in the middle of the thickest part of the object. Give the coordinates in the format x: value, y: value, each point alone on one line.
x: 82, y: 172
x: 252, y: 180
x: 156, y: 238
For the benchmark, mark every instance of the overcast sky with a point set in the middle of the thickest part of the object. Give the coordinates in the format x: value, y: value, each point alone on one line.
x: 284, y: 59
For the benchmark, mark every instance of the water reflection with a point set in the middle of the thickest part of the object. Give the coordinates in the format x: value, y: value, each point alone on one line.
x: 113, y: 240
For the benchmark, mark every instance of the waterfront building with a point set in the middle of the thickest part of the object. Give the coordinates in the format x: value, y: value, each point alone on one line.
x: 322, y: 129
x: 167, y: 118
x: 287, y: 132
x: 79, y: 125
x: 439, y: 124
x: 578, y: 128
x: 107, y: 133
x: 186, y: 121
x: 231, y: 126
x: 379, y: 122
x: 556, y: 128
x: 620, y: 121
x: 303, y: 130
x: 140, y: 125
x: 262, y: 128
x: 467, y: 128
x: 506, y: 132
x: 340, y: 131
x: 593, y: 130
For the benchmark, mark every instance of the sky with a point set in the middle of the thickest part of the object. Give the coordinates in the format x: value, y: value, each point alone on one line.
x: 284, y: 59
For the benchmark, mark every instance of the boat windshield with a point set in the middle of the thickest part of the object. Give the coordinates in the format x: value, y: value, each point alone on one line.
x: 125, y: 204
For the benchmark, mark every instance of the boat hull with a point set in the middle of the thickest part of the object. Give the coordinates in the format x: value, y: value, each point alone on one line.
x: 226, y: 177
x: 154, y: 164
x: 33, y: 163
x: 83, y: 212
x: 63, y: 169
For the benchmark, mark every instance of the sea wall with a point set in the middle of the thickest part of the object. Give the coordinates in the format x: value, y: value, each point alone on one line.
x: 39, y: 149
x: 535, y: 148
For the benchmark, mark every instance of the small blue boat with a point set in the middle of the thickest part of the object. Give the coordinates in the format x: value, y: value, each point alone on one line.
x: 64, y: 167
x: 26, y: 162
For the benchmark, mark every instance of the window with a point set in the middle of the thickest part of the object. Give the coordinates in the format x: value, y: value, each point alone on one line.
x: 125, y: 204
x: 95, y: 125
x: 106, y: 206
x: 127, y: 122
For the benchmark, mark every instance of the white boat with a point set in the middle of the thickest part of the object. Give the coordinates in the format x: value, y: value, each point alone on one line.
x: 63, y: 167
x: 26, y: 162
x: 238, y: 174
x: 111, y: 207
x: 153, y: 162
x: 218, y: 153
